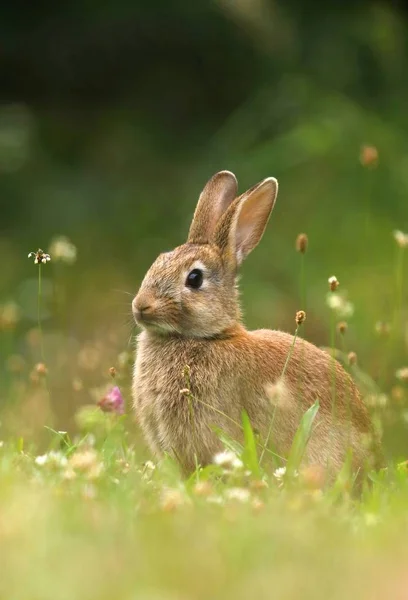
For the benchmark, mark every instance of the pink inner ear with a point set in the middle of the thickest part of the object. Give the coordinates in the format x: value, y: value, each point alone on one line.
x: 215, y: 198
x: 253, y: 217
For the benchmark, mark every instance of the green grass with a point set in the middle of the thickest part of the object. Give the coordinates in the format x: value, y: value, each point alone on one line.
x: 86, y: 515
x: 92, y: 522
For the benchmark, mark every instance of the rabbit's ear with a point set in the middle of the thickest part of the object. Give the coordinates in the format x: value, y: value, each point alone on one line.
x: 215, y: 198
x: 242, y: 225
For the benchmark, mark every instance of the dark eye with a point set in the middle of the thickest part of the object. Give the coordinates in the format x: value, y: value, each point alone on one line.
x: 194, y: 279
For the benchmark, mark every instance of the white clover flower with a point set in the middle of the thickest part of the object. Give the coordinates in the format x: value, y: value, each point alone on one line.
x: 228, y: 460
x: 63, y: 249
x: 240, y: 494
x: 280, y: 473
x: 52, y: 458
x: 41, y: 460
x: 401, y: 238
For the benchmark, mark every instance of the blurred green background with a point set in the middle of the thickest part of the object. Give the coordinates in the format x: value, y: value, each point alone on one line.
x: 113, y: 115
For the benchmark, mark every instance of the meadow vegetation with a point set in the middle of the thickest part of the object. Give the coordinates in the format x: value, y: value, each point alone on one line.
x: 101, y: 167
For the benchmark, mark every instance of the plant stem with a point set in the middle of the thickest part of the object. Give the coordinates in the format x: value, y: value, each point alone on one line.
x: 302, y: 278
x: 39, y: 314
x: 276, y: 405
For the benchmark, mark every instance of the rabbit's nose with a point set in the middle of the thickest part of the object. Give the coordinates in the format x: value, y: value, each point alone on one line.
x: 141, y: 306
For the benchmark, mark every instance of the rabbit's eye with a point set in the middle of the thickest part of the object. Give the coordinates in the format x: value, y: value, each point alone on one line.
x: 194, y: 279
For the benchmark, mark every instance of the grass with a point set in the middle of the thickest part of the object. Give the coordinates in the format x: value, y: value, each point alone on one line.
x: 91, y: 522
x: 84, y: 515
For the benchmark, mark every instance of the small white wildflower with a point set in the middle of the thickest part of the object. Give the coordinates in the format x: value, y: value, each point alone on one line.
x: 228, y: 460
x: 39, y: 257
x: 53, y: 458
x: 401, y: 238
x: 41, y: 460
x: 279, y: 473
x: 240, y: 494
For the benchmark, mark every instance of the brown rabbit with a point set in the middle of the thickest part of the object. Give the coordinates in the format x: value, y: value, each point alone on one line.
x: 189, y: 311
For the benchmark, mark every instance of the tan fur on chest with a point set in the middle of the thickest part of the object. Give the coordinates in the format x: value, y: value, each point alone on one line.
x: 174, y: 421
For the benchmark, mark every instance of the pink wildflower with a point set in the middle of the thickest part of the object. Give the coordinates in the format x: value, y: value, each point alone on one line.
x: 113, y: 402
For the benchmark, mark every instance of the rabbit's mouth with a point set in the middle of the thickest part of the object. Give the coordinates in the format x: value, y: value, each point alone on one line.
x: 151, y: 322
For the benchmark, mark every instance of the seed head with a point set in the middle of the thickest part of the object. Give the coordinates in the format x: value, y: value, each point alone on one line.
x: 342, y: 327
x: 333, y: 283
x: 302, y: 243
x: 112, y: 372
x: 228, y: 460
x: 40, y: 257
x: 300, y: 317
x: 352, y: 358
x: 401, y: 238
x: 369, y: 156
x: 41, y: 369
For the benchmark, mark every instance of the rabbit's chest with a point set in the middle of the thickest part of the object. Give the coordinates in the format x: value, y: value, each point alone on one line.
x: 178, y: 401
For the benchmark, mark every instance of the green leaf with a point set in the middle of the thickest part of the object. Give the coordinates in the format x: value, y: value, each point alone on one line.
x: 228, y: 441
x: 301, y: 439
x: 250, y: 455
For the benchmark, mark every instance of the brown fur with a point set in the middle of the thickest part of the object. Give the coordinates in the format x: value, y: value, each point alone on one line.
x: 232, y: 369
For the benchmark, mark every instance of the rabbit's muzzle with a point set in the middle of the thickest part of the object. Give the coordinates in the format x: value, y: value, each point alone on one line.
x: 143, y: 309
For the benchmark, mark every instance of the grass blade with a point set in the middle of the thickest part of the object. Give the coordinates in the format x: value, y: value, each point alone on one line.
x: 250, y: 455
x: 301, y: 439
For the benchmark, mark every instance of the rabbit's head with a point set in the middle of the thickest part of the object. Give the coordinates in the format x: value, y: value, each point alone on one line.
x: 191, y: 291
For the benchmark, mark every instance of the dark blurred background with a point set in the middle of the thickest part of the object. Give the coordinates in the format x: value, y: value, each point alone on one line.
x: 113, y: 115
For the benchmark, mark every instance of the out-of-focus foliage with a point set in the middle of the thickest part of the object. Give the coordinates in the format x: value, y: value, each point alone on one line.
x: 113, y: 115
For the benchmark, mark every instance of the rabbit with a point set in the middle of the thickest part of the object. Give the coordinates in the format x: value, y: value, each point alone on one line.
x: 197, y: 367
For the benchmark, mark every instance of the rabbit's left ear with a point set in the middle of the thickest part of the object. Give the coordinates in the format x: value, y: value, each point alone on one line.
x: 215, y: 198
x: 241, y: 227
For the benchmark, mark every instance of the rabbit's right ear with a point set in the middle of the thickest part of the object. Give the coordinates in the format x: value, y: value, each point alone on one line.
x: 241, y: 227
x: 215, y: 198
